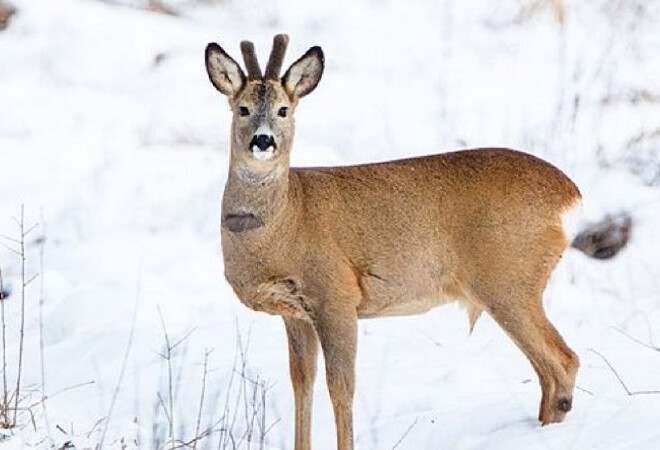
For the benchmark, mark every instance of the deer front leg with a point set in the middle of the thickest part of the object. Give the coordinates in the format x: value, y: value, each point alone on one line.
x: 303, y: 351
x: 337, y: 331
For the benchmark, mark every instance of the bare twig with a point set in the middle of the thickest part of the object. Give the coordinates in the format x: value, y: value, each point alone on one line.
x: 162, y: 405
x: 31, y: 279
x: 22, y: 326
x: 225, y: 430
x: 11, y: 249
x: 407, y: 432
x: 11, y: 239
x: 61, y: 391
x: 95, y: 426
x: 201, y: 396
x: 129, y: 345
x: 29, y: 230
x: 42, y: 300
x: 184, y: 338
x: 5, y: 405
x: 193, y: 442
x: 586, y: 391
x: 621, y: 382
x: 168, y: 357
x: 198, y: 437
x: 634, y: 339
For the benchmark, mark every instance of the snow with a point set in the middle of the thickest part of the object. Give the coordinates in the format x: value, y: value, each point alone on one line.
x: 126, y: 159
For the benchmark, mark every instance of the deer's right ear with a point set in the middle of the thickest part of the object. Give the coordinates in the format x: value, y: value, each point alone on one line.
x: 225, y: 74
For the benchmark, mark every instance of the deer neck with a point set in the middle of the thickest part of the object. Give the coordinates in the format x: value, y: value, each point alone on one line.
x: 255, y: 200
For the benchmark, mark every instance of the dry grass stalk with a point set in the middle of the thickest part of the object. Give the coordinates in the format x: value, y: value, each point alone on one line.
x: 201, y: 397
x: 621, y: 382
x: 129, y: 345
x: 42, y: 299
x: 4, y: 407
x: 168, y: 355
x: 20, y: 251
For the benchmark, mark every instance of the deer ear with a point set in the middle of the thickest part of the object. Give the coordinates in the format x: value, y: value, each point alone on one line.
x: 225, y: 74
x: 303, y: 75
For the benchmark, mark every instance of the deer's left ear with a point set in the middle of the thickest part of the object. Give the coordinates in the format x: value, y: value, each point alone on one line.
x: 225, y: 73
x: 304, y: 75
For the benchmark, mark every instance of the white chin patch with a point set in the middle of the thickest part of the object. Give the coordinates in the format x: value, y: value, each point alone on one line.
x: 264, y: 155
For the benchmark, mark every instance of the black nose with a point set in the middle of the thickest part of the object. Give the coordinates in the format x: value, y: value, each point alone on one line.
x: 262, y: 141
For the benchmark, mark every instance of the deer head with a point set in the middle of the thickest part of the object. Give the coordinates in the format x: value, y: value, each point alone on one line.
x: 263, y: 106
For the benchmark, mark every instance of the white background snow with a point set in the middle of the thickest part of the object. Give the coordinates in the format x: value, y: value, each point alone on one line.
x: 126, y: 160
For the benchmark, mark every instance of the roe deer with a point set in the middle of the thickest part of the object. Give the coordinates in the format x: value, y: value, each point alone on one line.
x: 324, y: 247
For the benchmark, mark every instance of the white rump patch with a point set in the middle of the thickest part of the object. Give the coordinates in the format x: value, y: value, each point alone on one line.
x: 571, y: 219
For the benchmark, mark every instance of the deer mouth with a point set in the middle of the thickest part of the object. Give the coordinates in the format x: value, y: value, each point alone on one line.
x: 263, y: 154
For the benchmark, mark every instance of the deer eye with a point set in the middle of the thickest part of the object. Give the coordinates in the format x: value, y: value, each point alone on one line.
x: 244, y: 111
x: 282, y: 111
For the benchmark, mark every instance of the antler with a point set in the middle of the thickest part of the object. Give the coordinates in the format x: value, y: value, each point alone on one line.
x: 274, y: 66
x: 251, y: 62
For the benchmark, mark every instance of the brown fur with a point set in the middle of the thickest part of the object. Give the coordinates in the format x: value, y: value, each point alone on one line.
x: 276, y: 58
x: 482, y: 227
x: 250, y: 60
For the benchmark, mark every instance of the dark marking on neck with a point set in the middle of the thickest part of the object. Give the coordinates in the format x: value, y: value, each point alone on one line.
x: 239, y: 223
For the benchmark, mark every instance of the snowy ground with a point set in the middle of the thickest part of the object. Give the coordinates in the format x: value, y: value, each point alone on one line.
x: 127, y: 159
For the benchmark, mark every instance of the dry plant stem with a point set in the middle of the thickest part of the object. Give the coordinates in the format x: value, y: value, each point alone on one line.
x: 201, y: 397
x: 243, y: 352
x: 168, y: 358
x: 22, y: 326
x: 228, y: 421
x: 42, y: 358
x: 129, y: 345
x: 262, y: 419
x: 240, y: 391
x: 62, y: 391
x: 246, y: 402
x: 621, y: 382
x: 634, y: 339
x: 162, y: 405
x: 225, y: 433
x: 3, y: 407
x: 586, y: 391
x: 407, y: 432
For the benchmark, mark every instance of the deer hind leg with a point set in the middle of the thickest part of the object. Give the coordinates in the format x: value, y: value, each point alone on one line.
x: 337, y: 331
x: 303, y: 354
x: 555, y: 364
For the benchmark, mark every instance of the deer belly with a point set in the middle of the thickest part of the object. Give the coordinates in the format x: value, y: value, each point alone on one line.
x: 382, y: 298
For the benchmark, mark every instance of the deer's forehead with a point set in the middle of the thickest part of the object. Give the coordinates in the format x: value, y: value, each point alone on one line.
x: 263, y: 93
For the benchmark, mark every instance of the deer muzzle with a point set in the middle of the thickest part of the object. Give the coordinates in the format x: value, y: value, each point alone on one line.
x: 263, y: 146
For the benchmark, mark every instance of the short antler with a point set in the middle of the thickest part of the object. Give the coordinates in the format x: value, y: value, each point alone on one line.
x: 251, y: 62
x: 274, y: 66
